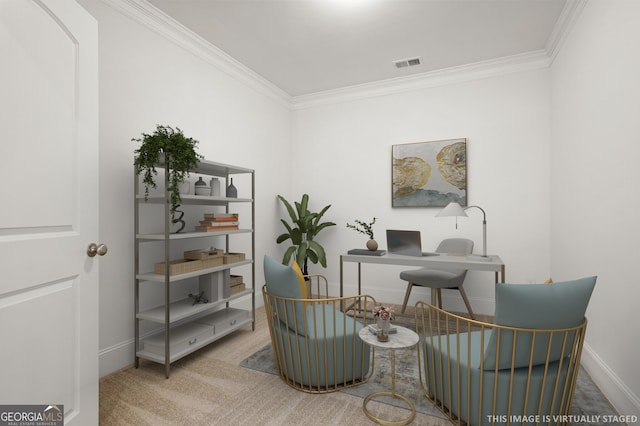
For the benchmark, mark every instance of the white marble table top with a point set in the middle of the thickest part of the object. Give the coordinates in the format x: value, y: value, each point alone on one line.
x: 404, y: 338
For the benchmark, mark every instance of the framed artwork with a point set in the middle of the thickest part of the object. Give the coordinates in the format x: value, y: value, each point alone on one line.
x: 429, y: 174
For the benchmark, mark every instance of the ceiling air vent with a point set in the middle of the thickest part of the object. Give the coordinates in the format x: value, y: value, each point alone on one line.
x: 410, y: 62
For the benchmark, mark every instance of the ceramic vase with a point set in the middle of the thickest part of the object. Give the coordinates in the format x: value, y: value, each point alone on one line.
x: 201, y: 188
x: 372, y: 245
x: 185, y: 187
x: 232, y: 191
x: 214, y: 183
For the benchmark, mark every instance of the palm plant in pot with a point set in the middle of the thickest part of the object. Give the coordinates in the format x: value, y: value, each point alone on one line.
x: 168, y: 148
x: 304, y: 227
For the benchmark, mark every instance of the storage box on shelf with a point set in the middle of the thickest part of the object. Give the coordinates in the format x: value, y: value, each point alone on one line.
x: 236, y: 284
x: 191, y: 321
x: 193, y: 260
x: 233, y: 257
x: 204, y: 254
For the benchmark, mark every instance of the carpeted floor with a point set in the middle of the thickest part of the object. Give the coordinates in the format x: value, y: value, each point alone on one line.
x: 588, y: 400
x: 210, y: 387
x: 407, y: 381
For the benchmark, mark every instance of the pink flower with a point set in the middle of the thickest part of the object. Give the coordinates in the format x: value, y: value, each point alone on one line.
x: 383, y: 312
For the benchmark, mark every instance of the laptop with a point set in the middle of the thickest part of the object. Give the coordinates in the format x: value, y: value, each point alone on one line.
x: 407, y: 243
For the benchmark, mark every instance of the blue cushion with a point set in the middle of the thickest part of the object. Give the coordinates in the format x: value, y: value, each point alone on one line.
x: 281, y: 280
x: 330, y: 354
x: 538, y: 306
x: 456, y: 381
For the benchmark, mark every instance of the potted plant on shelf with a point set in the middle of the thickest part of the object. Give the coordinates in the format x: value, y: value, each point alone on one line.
x: 367, y: 229
x: 304, y: 228
x: 168, y: 148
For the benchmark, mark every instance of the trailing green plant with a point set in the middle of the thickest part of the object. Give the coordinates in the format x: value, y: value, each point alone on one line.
x: 363, y: 227
x: 170, y: 149
x: 304, y: 227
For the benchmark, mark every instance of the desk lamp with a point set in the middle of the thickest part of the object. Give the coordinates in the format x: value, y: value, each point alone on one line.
x: 454, y: 209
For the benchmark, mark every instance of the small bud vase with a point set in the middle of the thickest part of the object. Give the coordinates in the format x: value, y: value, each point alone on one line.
x: 372, y: 245
x: 232, y: 191
x: 383, y: 330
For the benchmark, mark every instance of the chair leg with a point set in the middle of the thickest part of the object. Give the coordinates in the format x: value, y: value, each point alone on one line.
x: 406, y: 297
x: 466, y: 301
x: 439, y: 298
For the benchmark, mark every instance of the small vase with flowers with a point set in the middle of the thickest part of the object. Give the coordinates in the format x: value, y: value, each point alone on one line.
x: 384, y: 315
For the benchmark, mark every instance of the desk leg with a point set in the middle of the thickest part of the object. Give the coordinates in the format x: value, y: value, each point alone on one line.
x: 502, y: 272
x: 341, y: 276
x: 392, y: 394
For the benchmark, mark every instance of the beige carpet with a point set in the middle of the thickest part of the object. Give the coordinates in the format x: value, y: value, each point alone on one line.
x: 209, y: 387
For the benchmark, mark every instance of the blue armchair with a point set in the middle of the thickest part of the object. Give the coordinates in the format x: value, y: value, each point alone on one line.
x: 520, y: 369
x: 315, y: 344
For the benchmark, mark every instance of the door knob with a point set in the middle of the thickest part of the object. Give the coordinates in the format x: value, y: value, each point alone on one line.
x: 99, y: 249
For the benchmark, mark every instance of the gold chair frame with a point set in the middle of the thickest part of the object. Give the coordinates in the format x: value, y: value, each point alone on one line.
x: 439, y: 327
x: 291, y: 348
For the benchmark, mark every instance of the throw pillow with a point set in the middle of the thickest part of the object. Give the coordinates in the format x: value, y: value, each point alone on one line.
x: 301, y: 281
x: 536, y: 306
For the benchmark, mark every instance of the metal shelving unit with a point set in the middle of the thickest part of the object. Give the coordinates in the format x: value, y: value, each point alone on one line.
x: 186, y: 327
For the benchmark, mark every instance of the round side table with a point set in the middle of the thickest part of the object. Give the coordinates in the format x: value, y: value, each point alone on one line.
x: 403, y: 339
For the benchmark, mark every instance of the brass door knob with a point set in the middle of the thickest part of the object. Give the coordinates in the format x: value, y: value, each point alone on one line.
x: 99, y: 249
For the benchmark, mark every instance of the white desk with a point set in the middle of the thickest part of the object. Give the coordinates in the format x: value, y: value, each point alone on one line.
x: 491, y: 263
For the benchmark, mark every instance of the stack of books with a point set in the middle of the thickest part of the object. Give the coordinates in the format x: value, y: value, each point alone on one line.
x: 218, y: 222
x: 373, y: 328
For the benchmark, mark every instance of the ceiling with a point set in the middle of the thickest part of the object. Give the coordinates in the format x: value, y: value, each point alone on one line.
x: 311, y: 46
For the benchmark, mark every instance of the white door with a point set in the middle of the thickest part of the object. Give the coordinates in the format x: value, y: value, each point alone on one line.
x: 49, y: 207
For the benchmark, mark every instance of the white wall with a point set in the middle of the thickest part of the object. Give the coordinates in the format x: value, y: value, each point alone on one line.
x: 344, y: 158
x: 147, y: 80
x: 595, y: 126
x: 548, y: 151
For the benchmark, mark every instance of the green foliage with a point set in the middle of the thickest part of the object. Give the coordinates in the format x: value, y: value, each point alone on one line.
x: 304, y: 227
x: 169, y: 148
x: 363, y: 227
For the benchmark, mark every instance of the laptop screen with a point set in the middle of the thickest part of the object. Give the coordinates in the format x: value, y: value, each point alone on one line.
x: 403, y: 242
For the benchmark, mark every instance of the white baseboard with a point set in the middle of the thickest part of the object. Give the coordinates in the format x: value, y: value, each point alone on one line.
x: 121, y: 355
x: 116, y: 357
x: 619, y: 395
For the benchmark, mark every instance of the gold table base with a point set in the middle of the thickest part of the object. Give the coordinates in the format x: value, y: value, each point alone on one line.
x: 392, y: 394
x: 384, y: 422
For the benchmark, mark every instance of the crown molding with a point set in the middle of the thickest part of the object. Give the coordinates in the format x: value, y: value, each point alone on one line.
x: 568, y: 17
x: 475, y: 71
x: 159, y: 22
x: 517, y: 63
x: 156, y: 20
